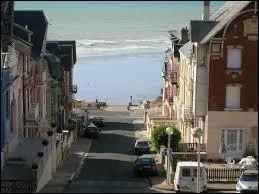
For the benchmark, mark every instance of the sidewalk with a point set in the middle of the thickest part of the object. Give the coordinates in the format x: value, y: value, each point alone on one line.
x: 70, y: 168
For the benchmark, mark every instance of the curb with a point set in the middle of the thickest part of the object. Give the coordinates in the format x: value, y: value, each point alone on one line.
x: 77, y: 171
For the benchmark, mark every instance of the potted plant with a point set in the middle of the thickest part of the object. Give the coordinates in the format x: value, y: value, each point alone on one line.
x: 40, y: 154
x: 50, y: 133
x: 34, y: 166
x: 45, y: 142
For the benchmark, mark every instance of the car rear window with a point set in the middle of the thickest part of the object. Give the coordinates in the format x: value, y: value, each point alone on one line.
x: 146, y: 160
x: 252, y: 177
x: 142, y: 143
x: 186, y: 172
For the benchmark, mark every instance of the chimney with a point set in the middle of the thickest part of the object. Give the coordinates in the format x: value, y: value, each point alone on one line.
x: 184, y: 35
x: 206, y: 10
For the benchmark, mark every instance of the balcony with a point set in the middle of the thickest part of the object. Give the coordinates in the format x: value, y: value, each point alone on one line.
x: 174, y: 77
x: 34, y: 111
x: 74, y: 89
x: 186, y: 114
x: 171, y: 100
x: 188, y: 147
x: 40, y: 79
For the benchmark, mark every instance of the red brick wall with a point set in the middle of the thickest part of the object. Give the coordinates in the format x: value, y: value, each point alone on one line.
x: 218, y: 78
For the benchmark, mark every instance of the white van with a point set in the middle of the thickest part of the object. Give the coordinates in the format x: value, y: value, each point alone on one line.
x: 185, y: 179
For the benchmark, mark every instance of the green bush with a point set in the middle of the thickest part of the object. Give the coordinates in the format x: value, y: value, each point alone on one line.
x: 250, y: 152
x: 159, y: 136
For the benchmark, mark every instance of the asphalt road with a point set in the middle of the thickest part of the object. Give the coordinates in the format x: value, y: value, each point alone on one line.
x: 109, y: 164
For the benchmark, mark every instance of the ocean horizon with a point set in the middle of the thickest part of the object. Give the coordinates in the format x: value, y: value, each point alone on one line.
x: 120, y: 45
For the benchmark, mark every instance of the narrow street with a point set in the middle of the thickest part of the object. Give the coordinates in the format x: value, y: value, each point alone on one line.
x: 108, y: 167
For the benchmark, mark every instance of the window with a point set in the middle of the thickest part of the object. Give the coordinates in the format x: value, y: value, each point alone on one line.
x: 186, y: 172
x: 231, y: 140
x: 234, y: 58
x: 233, y: 97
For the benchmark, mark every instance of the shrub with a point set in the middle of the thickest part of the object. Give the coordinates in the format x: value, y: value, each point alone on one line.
x: 159, y: 136
x: 250, y: 152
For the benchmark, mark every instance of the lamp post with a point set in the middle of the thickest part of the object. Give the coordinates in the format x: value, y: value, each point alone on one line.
x: 196, y: 133
x: 169, y: 132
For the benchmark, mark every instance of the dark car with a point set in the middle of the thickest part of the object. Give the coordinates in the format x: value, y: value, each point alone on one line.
x: 91, y: 131
x: 97, y: 121
x: 145, y: 165
x: 142, y: 147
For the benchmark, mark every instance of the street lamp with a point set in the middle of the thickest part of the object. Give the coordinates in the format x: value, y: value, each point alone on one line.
x: 196, y: 133
x: 169, y: 132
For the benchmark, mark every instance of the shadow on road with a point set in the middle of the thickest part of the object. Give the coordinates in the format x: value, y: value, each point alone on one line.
x: 113, y: 143
x: 118, y: 126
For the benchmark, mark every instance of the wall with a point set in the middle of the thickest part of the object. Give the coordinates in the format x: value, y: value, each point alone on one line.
x: 46, y: 175
x: 227, y: 119
x: 248, y: 74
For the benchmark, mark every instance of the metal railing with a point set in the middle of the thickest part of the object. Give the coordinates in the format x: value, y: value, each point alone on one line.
x: 18, y: 186
x: 186, y: 114
x: 223, y: 174
x: 174, y: 77
x: 40, y: 79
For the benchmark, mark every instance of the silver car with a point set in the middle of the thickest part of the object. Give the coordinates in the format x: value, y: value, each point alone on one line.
x: 248, y: 182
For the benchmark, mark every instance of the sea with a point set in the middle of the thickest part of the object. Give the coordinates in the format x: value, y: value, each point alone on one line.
x: 120, y: 45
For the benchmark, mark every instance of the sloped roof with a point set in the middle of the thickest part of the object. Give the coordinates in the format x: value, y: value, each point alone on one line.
x: 69, y: 43
x: 38, y: 24
x: 186, y: 49
x: 223, y: 15
x: 200, y: 28
x: 53, y: 47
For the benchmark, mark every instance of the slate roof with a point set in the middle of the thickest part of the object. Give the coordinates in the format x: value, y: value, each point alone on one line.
x: 38, y: 24
x: 186, y: 49
x: 53, y: 47
x: 69, y: 43
x: 223, y: 15
x: 199, y: 29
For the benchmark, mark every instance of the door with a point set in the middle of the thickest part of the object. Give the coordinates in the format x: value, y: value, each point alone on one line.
x: 195, y: 181
x: 186, y: 179
x: 232, y: 143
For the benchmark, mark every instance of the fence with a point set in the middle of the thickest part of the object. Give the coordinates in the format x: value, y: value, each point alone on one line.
x: 18, y: 186
x: 223, y: 174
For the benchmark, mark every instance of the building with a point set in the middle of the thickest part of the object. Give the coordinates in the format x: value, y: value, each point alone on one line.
x: 225, y: 92
x: 170, y: 72
x: 6, y: 46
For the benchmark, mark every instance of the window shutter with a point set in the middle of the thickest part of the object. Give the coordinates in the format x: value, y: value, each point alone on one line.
x: 234, y: 58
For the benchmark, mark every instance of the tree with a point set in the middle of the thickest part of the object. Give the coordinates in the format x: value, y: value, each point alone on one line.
x: 159, y: 136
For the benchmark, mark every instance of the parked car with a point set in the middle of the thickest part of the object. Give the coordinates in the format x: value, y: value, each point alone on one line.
x: 91, y: 131
x: 145, y: 165
x: 142, y: 146
x: 97, y: 121
x: 248, y: 182
x: 185, y: 177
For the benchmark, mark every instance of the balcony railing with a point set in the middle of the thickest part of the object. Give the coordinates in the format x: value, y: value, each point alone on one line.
x: 188, y: 147
x: 40, y: 79
x: 171, y: 100
x: 174, y: 77
x: 74, y: 89
x: 186, y: 114
x: 34, y: 111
